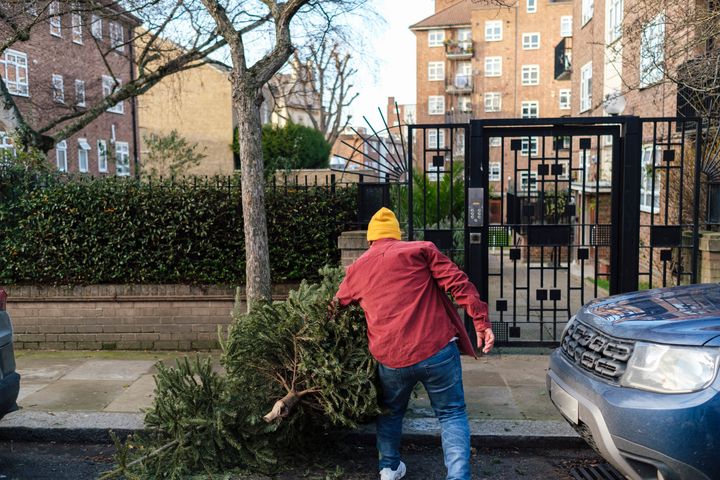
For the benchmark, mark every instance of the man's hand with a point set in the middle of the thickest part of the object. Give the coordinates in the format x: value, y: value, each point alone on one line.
x: 485, y: 337
x: 333, y: 307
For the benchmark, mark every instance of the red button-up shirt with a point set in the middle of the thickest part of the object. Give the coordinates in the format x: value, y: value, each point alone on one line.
x: 401, y: 287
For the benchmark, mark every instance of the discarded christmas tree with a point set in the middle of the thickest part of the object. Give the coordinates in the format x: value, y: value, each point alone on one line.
x: 293, y: 369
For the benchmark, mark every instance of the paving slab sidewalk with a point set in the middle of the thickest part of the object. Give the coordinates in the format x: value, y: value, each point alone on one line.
x: 81, y: 395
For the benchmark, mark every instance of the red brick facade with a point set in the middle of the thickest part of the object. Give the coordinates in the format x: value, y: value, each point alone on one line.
x: 73, y: 55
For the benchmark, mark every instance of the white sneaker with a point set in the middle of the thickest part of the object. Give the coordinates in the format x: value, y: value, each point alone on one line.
x: 388, y: 474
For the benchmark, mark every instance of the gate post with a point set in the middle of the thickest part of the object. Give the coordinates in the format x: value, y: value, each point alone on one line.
x: 624, y: 259
x: 476, y: 236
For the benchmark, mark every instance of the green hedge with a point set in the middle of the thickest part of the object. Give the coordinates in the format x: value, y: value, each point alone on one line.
x: 68, y: 231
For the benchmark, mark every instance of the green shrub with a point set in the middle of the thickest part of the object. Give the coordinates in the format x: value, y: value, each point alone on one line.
x: 60, y: 230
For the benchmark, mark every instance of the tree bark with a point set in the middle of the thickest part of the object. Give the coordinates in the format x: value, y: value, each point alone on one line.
x: 246, y: 103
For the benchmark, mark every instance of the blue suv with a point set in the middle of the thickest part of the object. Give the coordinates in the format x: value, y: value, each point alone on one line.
x: 636, y: 376
x: 9, y: 378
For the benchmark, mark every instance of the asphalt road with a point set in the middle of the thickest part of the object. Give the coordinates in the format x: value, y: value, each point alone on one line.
x: 38, y: 461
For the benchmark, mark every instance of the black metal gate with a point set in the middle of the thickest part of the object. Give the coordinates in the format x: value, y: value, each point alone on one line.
x: 562, y: 211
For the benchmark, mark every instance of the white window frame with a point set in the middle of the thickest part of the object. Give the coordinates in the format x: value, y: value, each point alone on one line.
x: 493, y: 30
x: 7, y: 148
x: 80, y: 100
x: 96, y: 26
x: 495, y: 141
x: 494, y: 171
x: 464, y: 37
x: 586, y: 87
x: 530, y: 75
x: 465, y: 103
x: 436, y: 38
x: 433, y: 135
x: 652, y: 51
x: 493, y: 101
x: 614, y: 15
x: 532, y: 6
x: 108, y: 86
x: 566, y: 24
x: 83, y: 155
x: 525, y: 185
x: 531, y: 41
x: 564, y: 99
x: 122, y: 159
x: 646, y: 194
x: 17, y: 63
x: 530, y: 109
x: 490, y: 64
x: 55, y: 19
x: 436, y: 71
x: 58, y: 88
x: 117, y: 36
x: 529, y: 146
x: 588, y: 10
x: 77, y: 28
x: 102, y: 153
x: 61, y: 159
x: 463, y: 75
x: 438, y: 102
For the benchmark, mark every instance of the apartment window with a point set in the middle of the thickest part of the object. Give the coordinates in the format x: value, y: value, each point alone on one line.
x: 102, y: 153
x: 586, y: 87
x: 122, y: 159
x: 614, y: 19
x: 566, y: 26
x: 493, y: 30
x: 652, y: 55
x: 463, y: 77
x: 54, y: 14
x: 117, y: 36
x: 493, y: 66
x: 58, y: 89
x: 494, y: 173
x: 14, y: 70
x: 531, y: 6
x: 564, y: 96
x: 61, y: 156
x: 649, y: 197
x: 7, y: 149
x: 436, y: 138
x: 436, y: 71
x: 528, y: 181
x: 436, y: 105
x: 83, y: 154
x: 530, y: 109
x: 531, y: 74
x: 495, y: 141
x: 464, y: 36
x: 465, y: 104
x: 531, y: 41
x: 109, y: 85
x: 588, y: 8
x: 436, y: 38
x: 493, y: 101
x: 96, y: 27
x: 77, y: 30
x: 565, y: 173
x: 80, y: 93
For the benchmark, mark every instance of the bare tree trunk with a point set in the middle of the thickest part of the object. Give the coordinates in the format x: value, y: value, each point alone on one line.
x: 246, y: 103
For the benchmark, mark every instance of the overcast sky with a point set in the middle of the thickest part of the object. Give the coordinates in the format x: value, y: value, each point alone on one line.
x: 389, y: 69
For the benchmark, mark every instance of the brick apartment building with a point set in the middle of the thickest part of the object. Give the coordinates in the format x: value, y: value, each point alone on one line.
x: 60, y: 70
x: 475, y: 60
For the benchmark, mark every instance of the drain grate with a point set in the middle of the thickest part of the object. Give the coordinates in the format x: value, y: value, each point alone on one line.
x: 603, y: 471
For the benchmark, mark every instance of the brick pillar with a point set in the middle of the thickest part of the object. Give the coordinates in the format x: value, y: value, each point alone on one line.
x: 709, y: 257
x: 352, y: 245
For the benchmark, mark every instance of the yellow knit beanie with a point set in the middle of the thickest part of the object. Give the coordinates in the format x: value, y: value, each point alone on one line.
x: 383, y: 224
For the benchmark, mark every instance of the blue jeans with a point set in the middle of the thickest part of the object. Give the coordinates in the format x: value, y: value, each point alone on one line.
x: 441, y: 375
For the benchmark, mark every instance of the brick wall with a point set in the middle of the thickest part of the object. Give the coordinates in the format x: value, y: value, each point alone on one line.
x: 352, y: 245
x: 128, y: 317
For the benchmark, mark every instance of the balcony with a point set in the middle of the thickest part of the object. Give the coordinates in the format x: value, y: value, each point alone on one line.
x: 563, y: 59
x: 459, y: 49
x: 460, y: 84
x: 458, y: 116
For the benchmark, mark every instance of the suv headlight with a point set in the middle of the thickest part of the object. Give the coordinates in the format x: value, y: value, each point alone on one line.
x: 669, y: 369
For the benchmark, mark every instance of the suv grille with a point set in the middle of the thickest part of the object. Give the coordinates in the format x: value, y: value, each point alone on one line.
x: 596, y: 352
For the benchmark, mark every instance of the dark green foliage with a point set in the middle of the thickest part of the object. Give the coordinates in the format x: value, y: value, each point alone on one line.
x: 210, y: 422
x: 60, y: 230
x: 292, y: 146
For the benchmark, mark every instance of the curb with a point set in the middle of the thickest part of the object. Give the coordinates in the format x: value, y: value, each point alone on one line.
x: 94, y: 427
